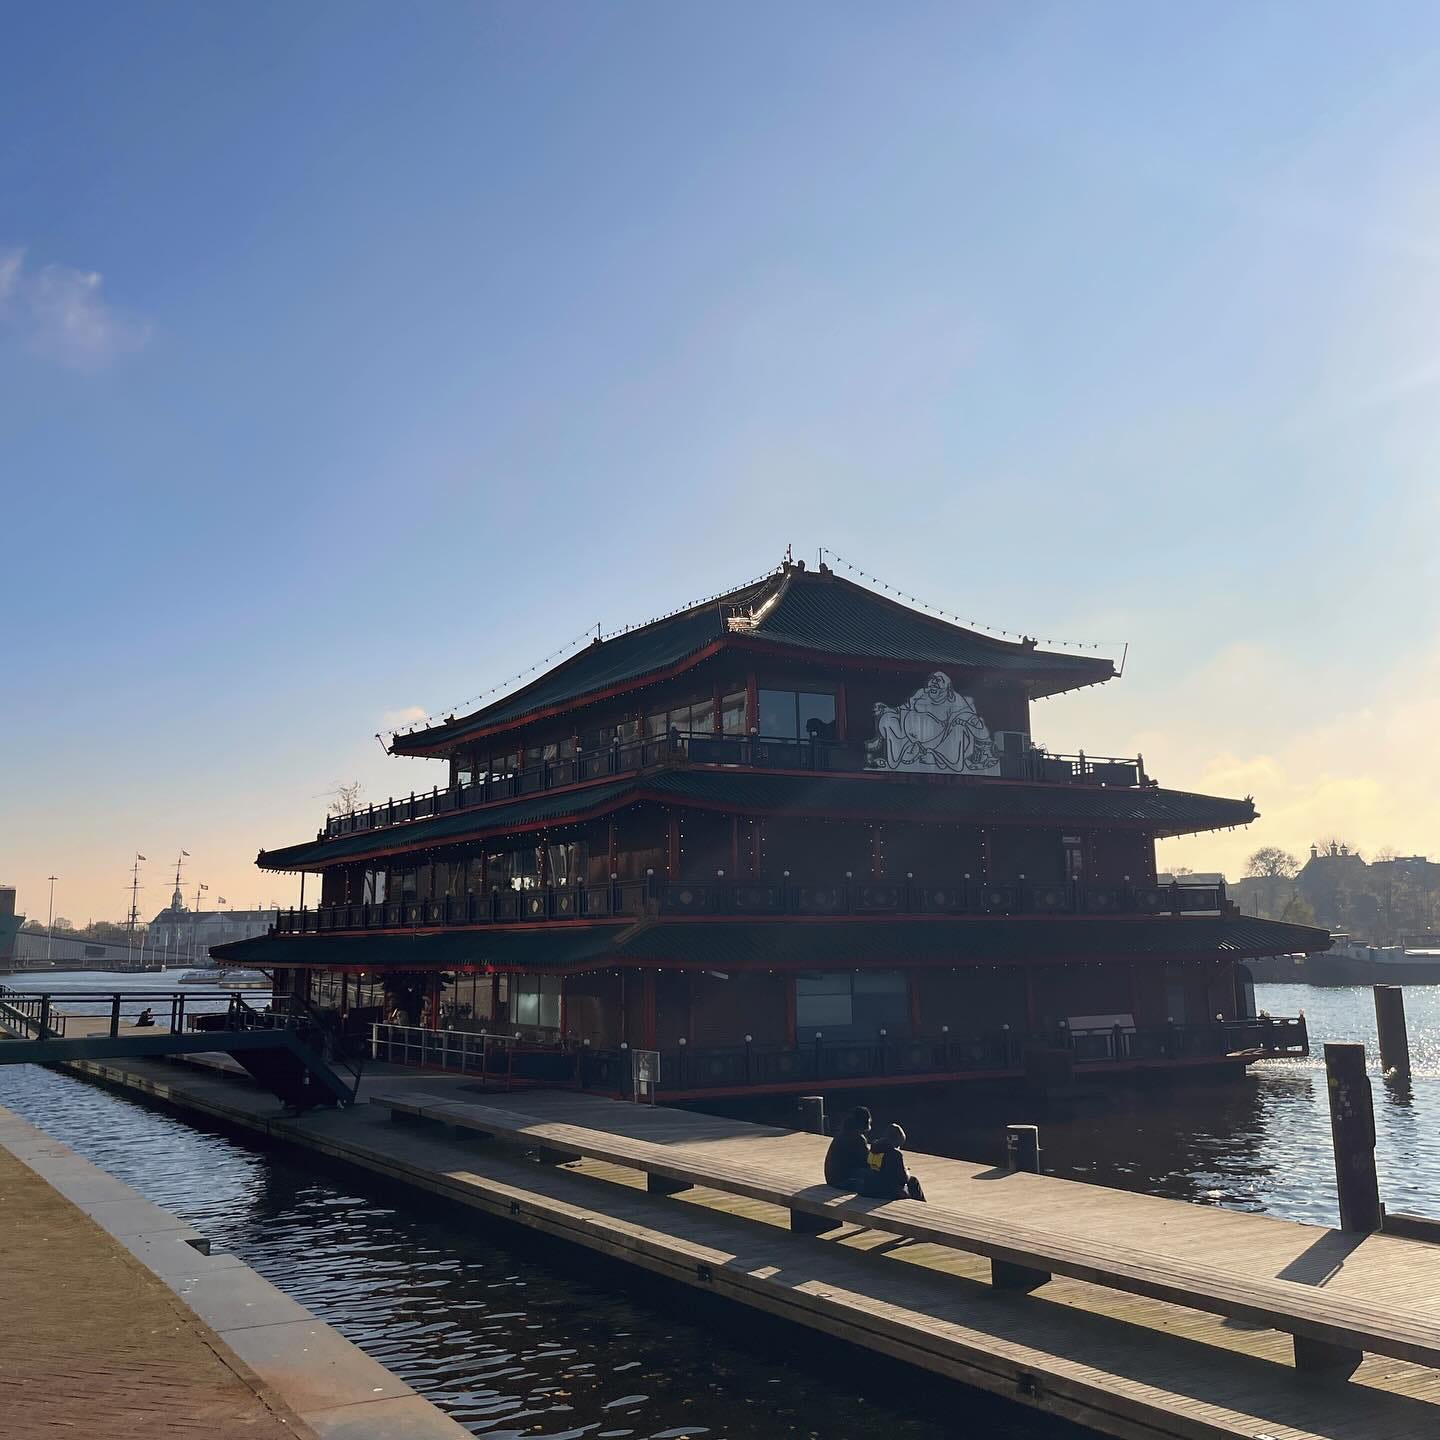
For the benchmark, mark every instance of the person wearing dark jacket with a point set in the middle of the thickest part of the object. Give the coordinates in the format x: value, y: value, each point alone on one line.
x: 845, y: 1159
x: 887, y: 1177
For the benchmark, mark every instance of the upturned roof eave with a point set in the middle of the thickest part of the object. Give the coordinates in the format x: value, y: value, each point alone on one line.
x: 880, y: 798
x: 786, y: 942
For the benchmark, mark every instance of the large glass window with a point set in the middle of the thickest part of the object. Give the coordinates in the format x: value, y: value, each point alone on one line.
x: 796, y: 715
x: 503, y: 765
x: 822, y: 1002
x: 694, y: 718
x: 535, y: 1001
x: 816, y: 715
x: 374, y: 891
x: 846, y: 1003
x: 567, y: 863
x: 732, y: 713
x: 514, y: 869
x: 778, y: 717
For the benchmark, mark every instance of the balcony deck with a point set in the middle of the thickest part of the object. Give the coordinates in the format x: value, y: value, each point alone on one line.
x: 756, y: 898
x: 1018, y: 761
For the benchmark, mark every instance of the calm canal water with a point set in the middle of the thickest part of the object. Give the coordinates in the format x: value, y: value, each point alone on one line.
x: 514, y: 1338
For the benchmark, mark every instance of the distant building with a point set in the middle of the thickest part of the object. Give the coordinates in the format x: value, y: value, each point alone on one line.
x: 1379, y: 901
x: 10, y: 922
x: 181, y: 936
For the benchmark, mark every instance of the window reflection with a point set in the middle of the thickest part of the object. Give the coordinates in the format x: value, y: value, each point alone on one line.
x: 796, y: 715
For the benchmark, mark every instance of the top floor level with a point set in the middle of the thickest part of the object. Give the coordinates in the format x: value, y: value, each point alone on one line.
x: 799, y: 655
x: 563, y: 764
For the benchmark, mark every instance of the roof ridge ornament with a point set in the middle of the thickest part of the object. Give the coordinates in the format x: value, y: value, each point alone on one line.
x: 744, y: 619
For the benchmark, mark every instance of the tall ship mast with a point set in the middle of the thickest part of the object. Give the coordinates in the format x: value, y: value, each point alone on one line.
x: 797, y: 835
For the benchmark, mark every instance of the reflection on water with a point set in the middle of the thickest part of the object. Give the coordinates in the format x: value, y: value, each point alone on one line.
x: 510, y: 1337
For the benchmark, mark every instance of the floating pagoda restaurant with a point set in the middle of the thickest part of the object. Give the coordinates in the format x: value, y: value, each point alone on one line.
x: 795, y: 837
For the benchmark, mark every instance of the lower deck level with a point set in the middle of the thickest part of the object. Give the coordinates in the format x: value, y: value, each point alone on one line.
x: 686, y: 1032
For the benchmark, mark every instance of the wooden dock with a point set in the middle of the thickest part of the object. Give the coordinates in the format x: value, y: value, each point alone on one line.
x: 1126, y: 1364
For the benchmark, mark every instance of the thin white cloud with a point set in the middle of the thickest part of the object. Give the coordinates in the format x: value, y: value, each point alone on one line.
x: 59, y: 312
x: 399, y: 719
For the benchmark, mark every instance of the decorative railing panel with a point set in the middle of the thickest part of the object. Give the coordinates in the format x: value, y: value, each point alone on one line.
x: 513, y: 1059
x: 1017, y: 762
x: 754, y: 897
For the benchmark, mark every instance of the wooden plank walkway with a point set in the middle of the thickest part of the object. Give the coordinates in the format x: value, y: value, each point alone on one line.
x: 1401, y: 1276
x: 1331, y: 1330
x: 1123, y: 1364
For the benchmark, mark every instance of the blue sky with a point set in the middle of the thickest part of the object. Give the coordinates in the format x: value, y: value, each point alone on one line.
x: 353, y: 356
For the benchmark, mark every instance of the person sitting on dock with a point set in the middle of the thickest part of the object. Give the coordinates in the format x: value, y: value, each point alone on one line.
x: 886, y: 1176
x: 145, y: 1017
x: 849, y: 1150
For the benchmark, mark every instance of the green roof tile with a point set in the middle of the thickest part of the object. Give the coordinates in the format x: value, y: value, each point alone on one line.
x: 806, y: 944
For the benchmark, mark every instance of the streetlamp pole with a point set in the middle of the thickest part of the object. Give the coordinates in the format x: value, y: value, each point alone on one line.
x: 50, y: 922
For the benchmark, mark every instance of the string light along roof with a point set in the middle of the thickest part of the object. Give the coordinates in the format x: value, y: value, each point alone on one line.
x: 794, y: 611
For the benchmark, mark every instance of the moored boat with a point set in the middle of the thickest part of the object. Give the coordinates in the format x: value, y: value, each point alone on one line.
x: 227, y: 979
x: 1350, y: 962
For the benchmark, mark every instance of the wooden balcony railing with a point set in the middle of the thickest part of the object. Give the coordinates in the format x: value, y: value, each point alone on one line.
x: 1018, y: 761
x: 757, y: 898
x: 514, y: 1060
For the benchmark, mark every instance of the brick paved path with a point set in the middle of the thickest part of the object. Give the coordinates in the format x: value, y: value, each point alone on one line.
x: 91, y: 1343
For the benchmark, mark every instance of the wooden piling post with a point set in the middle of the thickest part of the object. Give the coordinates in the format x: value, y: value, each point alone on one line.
x: 812, y: 1114
x: 1022, y: 1147
x: 1352, y: 1130
x: 1390, y: 1028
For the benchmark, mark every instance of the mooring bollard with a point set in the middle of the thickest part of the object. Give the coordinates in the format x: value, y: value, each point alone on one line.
x: 1352, y: 1130
x: 1390, y: 1027
x: 1022, y: 1147
x: 812, y: 1114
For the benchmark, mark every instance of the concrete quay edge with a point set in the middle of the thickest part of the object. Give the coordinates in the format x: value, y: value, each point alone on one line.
x: 337, y: 1390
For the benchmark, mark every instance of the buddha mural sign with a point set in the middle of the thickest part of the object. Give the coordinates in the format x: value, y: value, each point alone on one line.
x: 935, y: 731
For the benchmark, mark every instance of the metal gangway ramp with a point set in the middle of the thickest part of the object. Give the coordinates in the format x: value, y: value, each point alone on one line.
x: 284, y: 1051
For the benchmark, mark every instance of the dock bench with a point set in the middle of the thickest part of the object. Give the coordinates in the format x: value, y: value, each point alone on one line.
x: 1330, y: 1332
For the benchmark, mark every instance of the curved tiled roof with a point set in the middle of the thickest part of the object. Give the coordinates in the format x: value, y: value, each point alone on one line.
x: 797, y: 610
x: 947, y: 800
x: 824, y: 612
x: 757, y: 944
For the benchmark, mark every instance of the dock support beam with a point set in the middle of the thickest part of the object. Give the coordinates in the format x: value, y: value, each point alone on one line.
x: 1352, y: 1130
x: 803, y: 1223
x: 1022, y: 1148
x: 1390, y: 1027
x: 1319, y: 1357
x: 812, y: 1113
x: 1007, y: 1275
